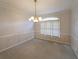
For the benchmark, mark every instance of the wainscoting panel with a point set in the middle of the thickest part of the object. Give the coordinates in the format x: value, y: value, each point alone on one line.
x: 11, y: 40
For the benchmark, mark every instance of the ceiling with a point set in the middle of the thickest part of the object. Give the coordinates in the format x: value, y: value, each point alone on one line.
x: 27, y: 6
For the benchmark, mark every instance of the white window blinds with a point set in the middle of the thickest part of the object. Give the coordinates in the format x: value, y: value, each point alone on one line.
x: 51, y: 27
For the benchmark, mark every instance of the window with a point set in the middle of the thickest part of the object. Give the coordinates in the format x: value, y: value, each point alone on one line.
x: 50, y: 27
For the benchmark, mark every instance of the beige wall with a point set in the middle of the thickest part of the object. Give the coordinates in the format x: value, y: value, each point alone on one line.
x: 14, y: 28
x: 74, y: 27
x: 64, y: 24
x: 12, y: 34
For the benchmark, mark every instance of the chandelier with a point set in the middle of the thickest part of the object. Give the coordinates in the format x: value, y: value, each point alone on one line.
x: 35, y: 18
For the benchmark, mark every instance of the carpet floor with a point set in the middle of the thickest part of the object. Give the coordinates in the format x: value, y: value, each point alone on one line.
x: 39, y: 49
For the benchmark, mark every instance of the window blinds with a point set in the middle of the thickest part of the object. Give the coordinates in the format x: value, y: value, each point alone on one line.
x: 50, y: 28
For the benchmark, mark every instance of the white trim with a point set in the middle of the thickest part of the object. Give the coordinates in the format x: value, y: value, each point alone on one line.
x: 50, y: 18
x: 13, y: 34
x: 30, y: 38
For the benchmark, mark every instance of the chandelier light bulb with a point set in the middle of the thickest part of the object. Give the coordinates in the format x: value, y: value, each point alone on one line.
x: 35, y: 18
x: 40, y: 18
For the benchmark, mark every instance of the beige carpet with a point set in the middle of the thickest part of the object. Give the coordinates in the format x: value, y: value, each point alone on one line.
x: 39, y: 49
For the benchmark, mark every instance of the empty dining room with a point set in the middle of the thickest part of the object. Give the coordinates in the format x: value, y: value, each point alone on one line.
x: 38, y: 29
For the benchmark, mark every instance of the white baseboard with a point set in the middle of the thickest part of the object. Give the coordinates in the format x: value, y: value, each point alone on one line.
x: 75, y: 51
x: 30, y: 38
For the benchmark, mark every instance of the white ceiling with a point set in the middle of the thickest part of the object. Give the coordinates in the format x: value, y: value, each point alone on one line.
x: 27, y: 6
x: 43, y: 6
